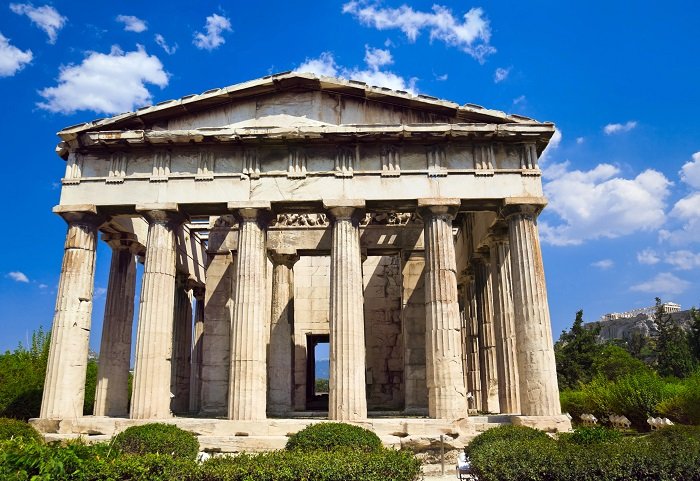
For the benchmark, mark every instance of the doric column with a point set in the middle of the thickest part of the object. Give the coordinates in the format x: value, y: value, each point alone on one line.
x: 182, y: 347
x: 539, y: 392
x: 151, y: 386
x: 347, y: 397
x: 216, y: 339
x: 446, y: 390
x: 112, y: 392
x: 504, y: 318
x: 473, y: 375
x: 64, y: 387
x: 248, y: 383
x: 197, y: 343
x: 280, y: 370
x: 487, y: 335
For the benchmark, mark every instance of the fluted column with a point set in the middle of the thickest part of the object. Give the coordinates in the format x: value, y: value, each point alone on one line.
x: 504, y: 318
x: 281, y: 348
x: 248, y: 383
x: 347, y: 391
x: 182, y: 347
x: 473, y: 375
x: 112, y: 392
x: 197, y: 347
x: 539, y: 392
x: 64, y: 387
x: 446, y: 390
x: 151, y: 386
x: 487, y: 335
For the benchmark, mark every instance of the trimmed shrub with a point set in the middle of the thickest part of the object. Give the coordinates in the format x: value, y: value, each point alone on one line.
x: 12, y: 428
x: 319, y: 465
x: 157, y: 438
x: 330, y: 436
x: 507, y: 434
x: 573, y: 402
x: 585, y: 436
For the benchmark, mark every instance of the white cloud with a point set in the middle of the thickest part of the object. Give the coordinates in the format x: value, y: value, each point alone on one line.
x: 169, y: 49
x: 472, y: 35
x: 377, y: 57
x: 603, y: 264
x: 18, y: 276
x: 501, y: 74
x: 618, y: 128
x: 215, y: 26
x: 519, y: 100
x: 663, y: 285
x: 599, y: 203
x: 42, y: 286
x: 580, y: 140
x: 45, y: 17
x: 100, y: 291
x: 648, y: 257
x: 683, y: 260
x: 12, y: 59
x: 441, y: 78
x: 106, y: 83
x: 132, y: 24
x: 690, y: 172
x: 687, y: 211
x: 326, y: 65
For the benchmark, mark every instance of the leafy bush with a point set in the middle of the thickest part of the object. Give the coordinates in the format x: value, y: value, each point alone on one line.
x: 591, y: 435
x: 670, y: 454
x: 319, y: 465
x: 12, y: 428
x: 157, y: 438
x: 330, y: 436
x: 573, y: 402
x: 683, y: 405
x: 508, y: 434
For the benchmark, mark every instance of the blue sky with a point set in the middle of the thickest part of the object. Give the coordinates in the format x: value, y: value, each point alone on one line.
x: 619, y: 79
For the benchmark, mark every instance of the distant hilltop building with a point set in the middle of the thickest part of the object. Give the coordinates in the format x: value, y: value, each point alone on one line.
x: 624, y: 325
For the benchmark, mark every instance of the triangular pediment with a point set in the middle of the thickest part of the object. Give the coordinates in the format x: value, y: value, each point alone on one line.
x: 296, y: 100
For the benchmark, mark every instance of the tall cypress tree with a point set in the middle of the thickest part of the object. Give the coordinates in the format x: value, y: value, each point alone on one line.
x: 673, y: 356
x: 575, y: 352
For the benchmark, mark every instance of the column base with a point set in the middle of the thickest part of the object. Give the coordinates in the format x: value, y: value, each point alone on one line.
x: 559, y: 423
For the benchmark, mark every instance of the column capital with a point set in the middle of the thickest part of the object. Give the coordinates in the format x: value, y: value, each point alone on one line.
x: 251, y: 211
x: 530, y: 206
x: 439, y: 207
x: 287, y: 257
x: 345, y: 209
x: 498, y: 234
x: 165, y: 213
x: 80, y: 214
x: 198, y: 293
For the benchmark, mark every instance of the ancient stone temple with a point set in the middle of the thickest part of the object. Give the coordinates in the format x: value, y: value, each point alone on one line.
x: 291, y: 211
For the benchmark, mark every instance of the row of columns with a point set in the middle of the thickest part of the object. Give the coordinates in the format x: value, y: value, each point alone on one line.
x: 239, y: 346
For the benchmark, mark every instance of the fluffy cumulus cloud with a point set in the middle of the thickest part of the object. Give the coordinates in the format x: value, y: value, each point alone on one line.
x: 12, y: 59
x: 683, y: 260
x: 106, y: 83
x: 600, y: 203
x: 132, y: 24
x: 603, y: 264
x: 213, y: 38
x: 470, y: 34
x: 611, y: 129
x: 169, y: 49
x: 18, y: 276
x: 501, y: 74
x: 552, y: 146
x: 45, y: 17
x: 663, y: 284
x: 690, y: 172
x: 648, y: 257
x: 373, y: 74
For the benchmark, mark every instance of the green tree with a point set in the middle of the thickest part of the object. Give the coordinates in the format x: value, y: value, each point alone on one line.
x: 614, y: 362
x: 694, y: 334
x: 575, y: 352
x: 673, y: 356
